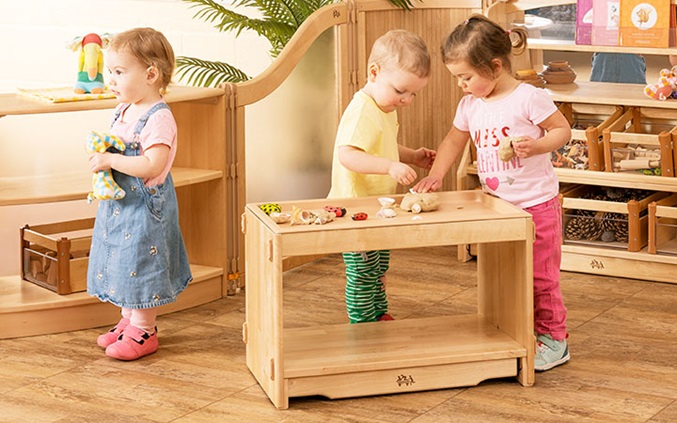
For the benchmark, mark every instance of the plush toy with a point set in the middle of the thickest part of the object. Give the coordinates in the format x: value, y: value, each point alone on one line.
x: 666, y: 87
x: 90, y: 62
x: 103, y: 185
x: 416, y: 202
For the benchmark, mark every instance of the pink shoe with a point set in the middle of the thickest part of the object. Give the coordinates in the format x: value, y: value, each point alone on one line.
x: 133, y: 344
x: 112, y: 335
x: 384, y: 317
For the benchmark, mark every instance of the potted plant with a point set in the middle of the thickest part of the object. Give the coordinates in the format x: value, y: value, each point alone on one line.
x: 278, y: 22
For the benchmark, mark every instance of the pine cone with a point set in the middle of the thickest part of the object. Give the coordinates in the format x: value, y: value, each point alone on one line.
x: 618, y: 223
x: 585, y: 226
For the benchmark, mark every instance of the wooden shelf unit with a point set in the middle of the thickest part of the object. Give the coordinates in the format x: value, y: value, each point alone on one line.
x: 203, y: 178
x: 587, y: 259
x: 570, y: 45
x: 75, y: 186
x: 382, y: 357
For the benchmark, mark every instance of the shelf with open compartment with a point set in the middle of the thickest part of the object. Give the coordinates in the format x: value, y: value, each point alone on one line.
x: 663, y: 226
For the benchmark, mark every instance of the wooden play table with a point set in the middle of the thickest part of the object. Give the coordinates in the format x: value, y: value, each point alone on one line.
x: 406, y: 355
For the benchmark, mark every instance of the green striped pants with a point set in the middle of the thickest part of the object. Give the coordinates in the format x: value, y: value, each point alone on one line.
x: 365, y: 293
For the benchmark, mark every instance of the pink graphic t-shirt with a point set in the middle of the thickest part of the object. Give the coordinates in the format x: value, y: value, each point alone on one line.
x: 160, y: 129
x: 522, y: 182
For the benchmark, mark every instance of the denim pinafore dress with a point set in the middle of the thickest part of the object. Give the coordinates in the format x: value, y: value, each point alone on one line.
x: 138, y: 258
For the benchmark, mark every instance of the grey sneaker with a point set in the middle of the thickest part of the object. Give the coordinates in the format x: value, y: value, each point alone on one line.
x: 550, y: 353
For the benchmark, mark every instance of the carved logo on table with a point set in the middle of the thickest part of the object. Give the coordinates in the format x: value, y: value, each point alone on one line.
x: 596, y: 264
x: 405, y: 380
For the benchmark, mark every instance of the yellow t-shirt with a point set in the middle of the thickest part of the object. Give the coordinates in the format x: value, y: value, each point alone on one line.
x: 365, y: 126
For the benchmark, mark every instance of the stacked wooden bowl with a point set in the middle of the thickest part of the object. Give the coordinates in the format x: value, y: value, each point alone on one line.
x: 558, y: 72
x: 529, y: 76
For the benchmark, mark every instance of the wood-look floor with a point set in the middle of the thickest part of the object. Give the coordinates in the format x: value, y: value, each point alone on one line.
x: 623, y: 340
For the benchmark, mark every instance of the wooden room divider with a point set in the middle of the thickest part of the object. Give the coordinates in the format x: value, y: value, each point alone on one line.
x: 356, y: 24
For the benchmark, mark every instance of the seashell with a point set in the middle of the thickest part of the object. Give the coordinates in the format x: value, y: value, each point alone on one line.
x: 386, y: 201
x: 386, y: 213
x: 300, y: 217
x: 308, y: 217
x: 321, y: 216
x: 279, y: 217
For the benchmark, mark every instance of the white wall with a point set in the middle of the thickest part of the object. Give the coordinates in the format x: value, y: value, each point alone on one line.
x: 33, y: 36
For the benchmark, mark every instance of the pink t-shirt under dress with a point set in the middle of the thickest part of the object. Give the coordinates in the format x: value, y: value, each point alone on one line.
x: 522, y: 182
x: 160, y: 129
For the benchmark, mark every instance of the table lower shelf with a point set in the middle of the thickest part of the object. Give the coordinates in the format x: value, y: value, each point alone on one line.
x: 397, y: 356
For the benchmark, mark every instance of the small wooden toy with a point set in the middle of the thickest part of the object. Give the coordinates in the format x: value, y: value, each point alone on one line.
x: 505, y: 150
x: 338, y: 211
x: 359, y: 216
x: 269, y: 208
x: 417, y: 202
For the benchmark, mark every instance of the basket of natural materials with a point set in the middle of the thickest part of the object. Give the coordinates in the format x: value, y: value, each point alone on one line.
x: 55, y: 256
x: 663, y: 226
x: 585, y: 150
x: 607, y: 217
x: 640, y: 143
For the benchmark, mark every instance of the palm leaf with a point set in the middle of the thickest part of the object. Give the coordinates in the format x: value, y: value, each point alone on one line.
x: 281, y: 11
x: 403, y: 4
x: 279, y: 20
x: 205, y: 73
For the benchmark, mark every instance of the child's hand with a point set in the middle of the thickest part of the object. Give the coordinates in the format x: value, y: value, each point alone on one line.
x: 525, y: 148
x: 424, y: 158
x: 99, y: 161
x: 429, y: 183
x: 402, y: 173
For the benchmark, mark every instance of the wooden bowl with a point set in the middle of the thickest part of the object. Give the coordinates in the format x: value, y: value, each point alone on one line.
x: 558, y: 72
x: 558, y: 77
x: 529, y: 76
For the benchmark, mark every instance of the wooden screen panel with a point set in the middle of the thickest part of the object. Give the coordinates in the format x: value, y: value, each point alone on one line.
x: 427, y: 120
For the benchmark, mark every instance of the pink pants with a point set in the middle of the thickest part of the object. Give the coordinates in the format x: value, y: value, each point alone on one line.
x: 549, y: 312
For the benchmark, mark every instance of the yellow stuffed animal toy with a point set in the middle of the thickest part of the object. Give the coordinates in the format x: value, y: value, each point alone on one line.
x: 90, y: 62
x: 104, y: 186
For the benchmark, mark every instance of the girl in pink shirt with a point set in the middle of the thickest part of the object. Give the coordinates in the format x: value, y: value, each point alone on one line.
x: 496, y: 106
x: 138, y: 259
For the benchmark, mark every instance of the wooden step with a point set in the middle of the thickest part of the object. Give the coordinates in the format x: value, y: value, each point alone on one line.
x: 27, y: 309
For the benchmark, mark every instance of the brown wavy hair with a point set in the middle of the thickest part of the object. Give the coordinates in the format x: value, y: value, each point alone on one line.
x: 479, y: 40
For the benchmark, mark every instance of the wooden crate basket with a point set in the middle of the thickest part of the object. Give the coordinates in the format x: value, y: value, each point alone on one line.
x: 640, y: 140
x: 55, y: 256
x: 605, y: 217
x: 663, y: 226
x: 585, y: 149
